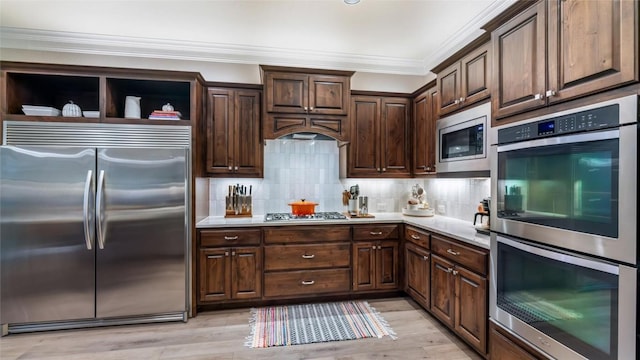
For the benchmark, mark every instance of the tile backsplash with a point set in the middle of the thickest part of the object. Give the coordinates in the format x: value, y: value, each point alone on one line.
x: 309, y: 169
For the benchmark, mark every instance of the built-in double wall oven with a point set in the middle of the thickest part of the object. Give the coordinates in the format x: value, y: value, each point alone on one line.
x: 564, y: 252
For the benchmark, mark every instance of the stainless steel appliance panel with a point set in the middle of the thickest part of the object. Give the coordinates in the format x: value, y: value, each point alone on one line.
x: 46, y: 237
x: 622, y: 247
x: 141, y: 231
x: 473, y: 153
x: 592, y: 317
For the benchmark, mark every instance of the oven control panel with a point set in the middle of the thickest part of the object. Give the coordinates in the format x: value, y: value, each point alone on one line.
x: 593, y: 119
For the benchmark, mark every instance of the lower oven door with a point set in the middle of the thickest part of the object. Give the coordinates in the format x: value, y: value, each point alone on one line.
x: 567, y: 305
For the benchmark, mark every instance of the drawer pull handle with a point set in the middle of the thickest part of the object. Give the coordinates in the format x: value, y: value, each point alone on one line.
x: 305, y: 256
x: 310, y: 282
x: 415, y: 237
x: 375, y: 232
x: 231, y: 237
x: 455, y: 253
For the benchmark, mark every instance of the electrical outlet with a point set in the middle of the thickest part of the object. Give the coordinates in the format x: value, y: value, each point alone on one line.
x: 441, y: 209
x: 381, y: 206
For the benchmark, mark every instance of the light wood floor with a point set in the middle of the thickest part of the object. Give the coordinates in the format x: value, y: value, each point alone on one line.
x: 221, y: 335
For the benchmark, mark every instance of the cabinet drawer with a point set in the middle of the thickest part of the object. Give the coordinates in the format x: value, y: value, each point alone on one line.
x: 472, y: 259
x: 230, y: 237
x: 417, y: 236
x: 306, y: 282
x: 312, y: 256
x: 306, y: 234
x: 375, y: 232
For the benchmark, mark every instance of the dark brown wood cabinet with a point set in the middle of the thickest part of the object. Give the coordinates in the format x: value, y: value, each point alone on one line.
x: 229, y: 265
x: 306, y: 261
x: 504, y: 346
x: 459, y: 295
x: 425, y: 114
x: 234, y: 147
x: 417, y: 272
x: 559, y: 50
x: 380, y: 137
x: 306, y: 100
x: 375, y: 257
x: 465, y: 82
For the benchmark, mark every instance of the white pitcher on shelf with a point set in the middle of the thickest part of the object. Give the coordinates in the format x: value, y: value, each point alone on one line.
x: 132, y: 107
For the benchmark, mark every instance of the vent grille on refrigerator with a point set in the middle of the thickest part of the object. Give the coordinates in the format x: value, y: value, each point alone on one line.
x: 96, y: 135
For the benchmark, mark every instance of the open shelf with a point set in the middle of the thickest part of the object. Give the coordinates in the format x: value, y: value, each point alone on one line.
x: 153, y: 94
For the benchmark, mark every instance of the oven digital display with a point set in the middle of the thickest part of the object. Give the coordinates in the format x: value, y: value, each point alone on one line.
x: 546, y: 128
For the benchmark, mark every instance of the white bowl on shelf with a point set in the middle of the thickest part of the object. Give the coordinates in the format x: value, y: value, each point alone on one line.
x: 91, y: 114
x: 33, y: 110
x: 418, y: 212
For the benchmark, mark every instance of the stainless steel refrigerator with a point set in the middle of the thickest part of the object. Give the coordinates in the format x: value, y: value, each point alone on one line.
x: 92, y: 235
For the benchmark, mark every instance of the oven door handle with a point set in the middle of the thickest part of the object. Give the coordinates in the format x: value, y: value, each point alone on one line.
x: 560, y: 140
x: 559, y: 255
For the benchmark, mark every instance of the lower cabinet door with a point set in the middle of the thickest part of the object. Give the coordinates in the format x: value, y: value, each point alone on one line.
x: 417, y: 274
x: 502, y: 348
x: 246, y: 273
x: 387, y: 268
x: 215, y: 274
x: 471, y: 308
x: 364, y: 266
x: 442, y: 289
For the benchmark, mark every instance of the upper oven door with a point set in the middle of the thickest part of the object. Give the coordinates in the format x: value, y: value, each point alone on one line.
x: 462, y: 140
x: 574, y: 191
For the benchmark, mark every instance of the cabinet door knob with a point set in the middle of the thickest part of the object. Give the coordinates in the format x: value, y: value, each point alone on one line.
x: 306, y: 108
x: 537, y: 97
x: 230, y: 167
x: 236, y: 168
x: 308, y: 282
x: 311, y: 108
x: 449, y: 270
x: 550, y: 93
x: 226, y: 253
x: 454, y: 253
x: 373, y: 247
x: 454, y: 272
x: 378, y: 169
x: 462, y: 99
x: 305, y: 256
x: 384, y: 169
x: 233, y: 253
x: 425, y: 258
x: 231, y: 237
x: 379, y: 247
x: 457, y: 101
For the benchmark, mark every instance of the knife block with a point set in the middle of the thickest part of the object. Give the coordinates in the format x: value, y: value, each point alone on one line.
x: 238, y: 206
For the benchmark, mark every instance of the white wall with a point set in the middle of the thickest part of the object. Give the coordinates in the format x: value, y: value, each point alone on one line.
x: 211, y: 71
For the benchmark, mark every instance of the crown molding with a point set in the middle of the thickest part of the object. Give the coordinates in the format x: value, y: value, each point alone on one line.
x: 96, y: 44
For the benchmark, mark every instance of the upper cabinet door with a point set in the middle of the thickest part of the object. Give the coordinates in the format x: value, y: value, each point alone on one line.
x: 287, y: 92
x: 394, y: 136
x: 329, y: 94
x: 519, y: 63
x: 248, y: 148
x: 475, y: 77
x: 449, y: 88
x: 592, y: 46
x: 220, y: 129
x: 364, y: 150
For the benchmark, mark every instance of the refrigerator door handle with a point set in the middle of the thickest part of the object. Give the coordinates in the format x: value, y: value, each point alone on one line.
x: 88, y: 232
x: 100, y: 217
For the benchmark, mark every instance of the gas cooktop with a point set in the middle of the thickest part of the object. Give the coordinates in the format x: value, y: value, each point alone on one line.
x: 332, y: 215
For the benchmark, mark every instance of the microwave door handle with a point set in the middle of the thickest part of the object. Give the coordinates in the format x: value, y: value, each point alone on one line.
x: 560, y: 140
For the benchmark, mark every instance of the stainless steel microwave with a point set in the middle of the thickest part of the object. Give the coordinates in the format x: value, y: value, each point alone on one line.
x: 462, y: 140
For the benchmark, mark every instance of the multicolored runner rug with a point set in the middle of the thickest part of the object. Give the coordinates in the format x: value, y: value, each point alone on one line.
x: 312, y: 323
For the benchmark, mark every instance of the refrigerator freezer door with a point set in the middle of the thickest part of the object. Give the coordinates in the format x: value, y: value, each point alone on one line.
x: 141, y: 267
x: 47, y: 257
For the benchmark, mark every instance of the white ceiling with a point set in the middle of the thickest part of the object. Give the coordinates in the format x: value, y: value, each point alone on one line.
x: 385, y: 36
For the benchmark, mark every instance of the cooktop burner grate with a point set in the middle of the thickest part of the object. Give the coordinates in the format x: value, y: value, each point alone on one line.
x: 331, y: 215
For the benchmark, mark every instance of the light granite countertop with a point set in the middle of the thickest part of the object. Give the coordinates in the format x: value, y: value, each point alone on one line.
x: 454, y: 228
